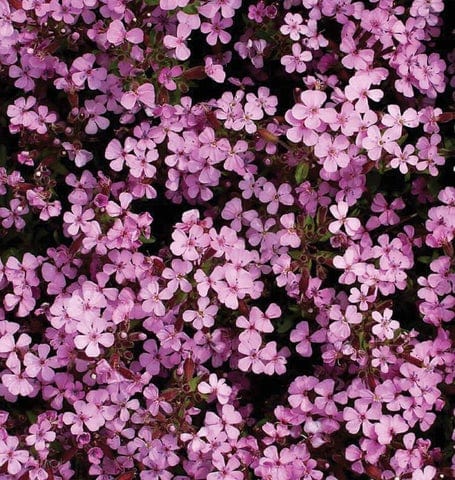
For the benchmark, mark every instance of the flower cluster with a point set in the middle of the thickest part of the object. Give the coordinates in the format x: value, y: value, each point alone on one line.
x: 227, y: 240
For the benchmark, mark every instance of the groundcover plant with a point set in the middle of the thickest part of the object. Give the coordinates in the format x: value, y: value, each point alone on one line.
x: 226, y: 239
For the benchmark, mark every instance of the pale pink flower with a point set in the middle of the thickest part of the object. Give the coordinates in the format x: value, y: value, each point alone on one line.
x: 93, y: 334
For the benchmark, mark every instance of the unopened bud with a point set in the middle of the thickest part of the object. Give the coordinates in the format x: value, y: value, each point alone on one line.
x: 194, y: 73
x: 267, y: 135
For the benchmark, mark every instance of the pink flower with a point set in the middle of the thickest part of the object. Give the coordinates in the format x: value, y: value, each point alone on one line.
x: 9, y: 454
x: 250, y: 347
x: 350, y: 224
x: 20, y: 113
x: 189, y: 245
x: 375, y: 141
x: 153, y: 296
x: 78, y: 219
x: 144, y: 94
x: 13, y: 216
x: 385, y: 327
x: 204, y: 316
x: 226, y: 470
x: 215, y: 29
x: 83, y: 71
x: 360, y: 416
x: 182, y: 52
x: 117, y: 34
x: 403, y: 158
x: 176, y: 275
x: 363, y: 296
x: 173, y: 4
x: 16, y: 382
x: 289, y: 235
x: 388, y: 427
x: 43, y: 118
x: 273, y: 197
x: 40, y: 366
x: 427, y: 473
x: 231, y: 284
x: 300, y: 335
x: 332, y: 151
x: 294, y: 26
x: 359, y: 91
x: 94, y: 111
x: 40, y: 435
x: 297, y: 61
x: 214, y: 71
x: 274, y: 362
x: 167, y: 75
x: 93, y: 334
x: 216, y: 388
x: 309, y: 109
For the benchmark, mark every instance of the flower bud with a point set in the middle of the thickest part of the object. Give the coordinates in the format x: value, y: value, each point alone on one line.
x: 267, y: 136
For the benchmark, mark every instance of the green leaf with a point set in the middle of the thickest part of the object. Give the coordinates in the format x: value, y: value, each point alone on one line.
x: 425, y: 259
x: 301, y: 172
x: 194, y: 382
x: 285, y: 325
x: 147, y: 241
x: 192, y: 8
x: 31, y: 416
x: 325, y: 237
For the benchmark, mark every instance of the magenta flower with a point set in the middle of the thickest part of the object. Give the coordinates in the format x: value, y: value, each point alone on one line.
x: 215, y: 30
